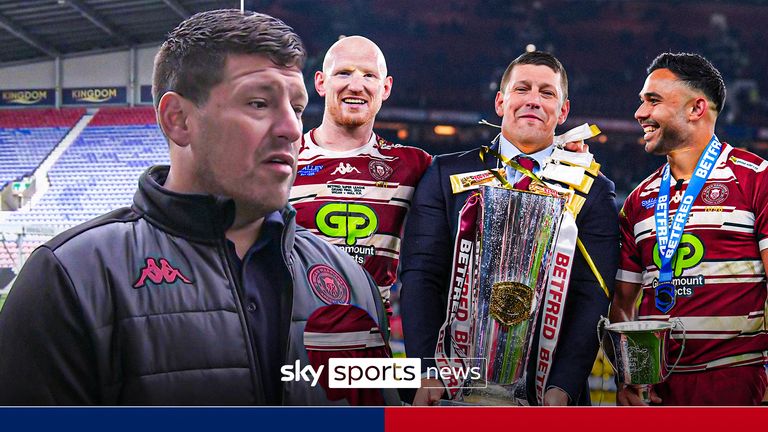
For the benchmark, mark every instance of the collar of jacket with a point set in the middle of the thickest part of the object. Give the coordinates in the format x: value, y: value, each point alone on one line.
x: 193, y: 216
x: 491, y: 159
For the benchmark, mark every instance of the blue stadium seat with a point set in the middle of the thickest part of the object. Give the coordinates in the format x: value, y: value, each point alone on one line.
x: 98, y: 173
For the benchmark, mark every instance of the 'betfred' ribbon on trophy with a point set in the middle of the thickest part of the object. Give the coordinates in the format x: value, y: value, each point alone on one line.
x: 553, y: 306
x: 668, y: 237
x: 454, y: 351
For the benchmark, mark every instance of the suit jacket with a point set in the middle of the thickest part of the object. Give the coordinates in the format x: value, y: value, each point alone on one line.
x: 427, y: 251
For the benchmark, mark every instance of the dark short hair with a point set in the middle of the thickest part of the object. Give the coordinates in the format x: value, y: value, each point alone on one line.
x: 537, y: 58
x: 696, y: 72
x: 191, y: 60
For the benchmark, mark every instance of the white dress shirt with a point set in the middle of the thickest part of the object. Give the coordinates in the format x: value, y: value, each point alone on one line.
x: 509, y: 151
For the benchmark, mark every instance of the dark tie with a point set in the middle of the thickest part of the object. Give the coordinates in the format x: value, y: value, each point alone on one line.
x: 527, y: 163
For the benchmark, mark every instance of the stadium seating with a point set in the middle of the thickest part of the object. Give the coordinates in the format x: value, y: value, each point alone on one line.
x: 99, y: 171
x: 124, y: 116
x: 9, y: 249
x: 28, y: 136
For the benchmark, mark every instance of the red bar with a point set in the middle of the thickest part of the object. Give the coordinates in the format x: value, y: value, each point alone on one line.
x: 539, y: 419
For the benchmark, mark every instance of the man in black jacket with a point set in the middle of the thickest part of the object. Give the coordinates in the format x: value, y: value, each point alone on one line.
x: 532, y: 101
x: 200, y: 291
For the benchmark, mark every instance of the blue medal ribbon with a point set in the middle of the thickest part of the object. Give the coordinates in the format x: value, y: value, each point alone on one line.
x: 668, y: 237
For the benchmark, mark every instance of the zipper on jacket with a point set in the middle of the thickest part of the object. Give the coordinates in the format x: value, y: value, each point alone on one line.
x: 261, y: 397
x: 288, y: 261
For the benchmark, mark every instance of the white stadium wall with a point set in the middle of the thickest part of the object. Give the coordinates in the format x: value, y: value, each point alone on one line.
x: 111, y: 69
x: 94, y: 70
x: 145, y: 58
x: 33, y: 75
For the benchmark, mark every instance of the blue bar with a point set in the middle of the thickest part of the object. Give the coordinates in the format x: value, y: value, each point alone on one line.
x: 329, y: 419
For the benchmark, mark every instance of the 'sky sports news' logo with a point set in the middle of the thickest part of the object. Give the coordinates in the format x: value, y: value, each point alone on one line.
x: 381, y: 373
x: 689, y: 254
x: 349, y: 221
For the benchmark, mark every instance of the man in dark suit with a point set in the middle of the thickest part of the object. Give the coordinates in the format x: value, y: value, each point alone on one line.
x: 532, y: 101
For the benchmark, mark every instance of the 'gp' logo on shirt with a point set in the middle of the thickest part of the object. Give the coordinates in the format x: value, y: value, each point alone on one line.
x: 349, y: 221
x: 688, y: 255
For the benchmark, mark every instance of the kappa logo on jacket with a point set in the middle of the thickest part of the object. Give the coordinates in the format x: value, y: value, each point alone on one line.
x: 158, y: 274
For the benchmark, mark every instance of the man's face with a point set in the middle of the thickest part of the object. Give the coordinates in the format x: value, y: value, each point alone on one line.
x: 531, y: 106
x: 662, y: 112
x: 353, y: 83
x: 244, y: 138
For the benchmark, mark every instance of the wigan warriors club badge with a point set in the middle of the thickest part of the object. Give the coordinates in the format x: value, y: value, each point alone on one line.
x: 714, y: 194
x: 328, y: 284
x: 379, y: 170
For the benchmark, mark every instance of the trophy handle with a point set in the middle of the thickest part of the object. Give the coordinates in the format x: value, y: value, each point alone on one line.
x: 601, y: 337
x: 601, y: 329
x: 677, y: 322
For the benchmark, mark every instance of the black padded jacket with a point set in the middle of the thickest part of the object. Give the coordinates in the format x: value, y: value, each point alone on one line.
x: 141, y: 306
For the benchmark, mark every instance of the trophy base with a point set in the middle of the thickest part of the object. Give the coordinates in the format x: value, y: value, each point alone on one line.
x: 446, y: 402
x: 493, y: 395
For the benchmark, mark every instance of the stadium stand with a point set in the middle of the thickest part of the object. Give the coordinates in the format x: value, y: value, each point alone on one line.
x: 124, y: 116
x: 12, y: 254
x: 99, y: 172
x: 28, y: 136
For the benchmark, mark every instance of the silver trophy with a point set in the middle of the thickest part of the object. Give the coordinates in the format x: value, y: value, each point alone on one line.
x: 638, y: 351
x: 516, y: 232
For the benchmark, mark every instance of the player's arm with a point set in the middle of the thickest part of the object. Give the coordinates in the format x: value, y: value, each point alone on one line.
x: 629, y: 277
x: 764, y: 256
x: 624, y: 299
x: 761, y: 212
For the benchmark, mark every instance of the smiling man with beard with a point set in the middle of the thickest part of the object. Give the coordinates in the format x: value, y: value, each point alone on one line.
x: 353, y: 187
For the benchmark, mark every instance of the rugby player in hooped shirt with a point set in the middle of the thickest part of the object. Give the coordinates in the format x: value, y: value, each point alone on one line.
x: 718, y: 285
x: 354, y: 188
